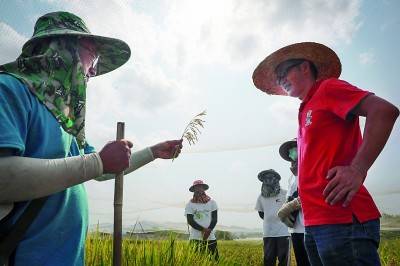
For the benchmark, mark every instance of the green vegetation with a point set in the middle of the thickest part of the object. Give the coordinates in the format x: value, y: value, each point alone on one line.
x: 390, y: 222
x: 172, y: 251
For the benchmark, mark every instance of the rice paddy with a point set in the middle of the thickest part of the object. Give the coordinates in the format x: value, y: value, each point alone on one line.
x: 172, y: 251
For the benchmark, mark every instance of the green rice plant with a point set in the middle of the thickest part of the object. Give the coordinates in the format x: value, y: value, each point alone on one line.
x: 172, y: 251
x: 389, y: 251
x: 148, y: 252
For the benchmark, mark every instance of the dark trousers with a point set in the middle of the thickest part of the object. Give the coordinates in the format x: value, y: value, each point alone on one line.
x: 276, y: 247
x: 300, y: 249
x: 206, y: 246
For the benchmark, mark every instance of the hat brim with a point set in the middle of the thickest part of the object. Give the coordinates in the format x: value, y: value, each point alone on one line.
x: 325, y: 59
x: 285, y: 147
x: 261, y: 176
x: 112, y: 52
x: 205, y: 186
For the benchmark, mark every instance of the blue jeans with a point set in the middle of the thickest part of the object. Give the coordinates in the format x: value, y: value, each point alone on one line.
x: 343, y: 244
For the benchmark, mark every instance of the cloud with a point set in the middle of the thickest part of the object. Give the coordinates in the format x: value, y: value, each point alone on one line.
x: 367, y: 58
x: 10, y: 43
x: 231, y: 31
x: 168, y: 49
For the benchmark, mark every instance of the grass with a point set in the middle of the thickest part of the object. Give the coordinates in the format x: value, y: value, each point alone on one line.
x: 178, y: 252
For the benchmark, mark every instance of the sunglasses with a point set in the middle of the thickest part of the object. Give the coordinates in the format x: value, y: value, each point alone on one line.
x: 283, y: 69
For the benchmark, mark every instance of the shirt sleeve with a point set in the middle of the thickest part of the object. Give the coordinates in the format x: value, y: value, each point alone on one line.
x: 88, y: 148
x: 189, y: 209
x: 341, y: 97
x: 15, y: 107
x: 214, y: 206
x: 259, y: 206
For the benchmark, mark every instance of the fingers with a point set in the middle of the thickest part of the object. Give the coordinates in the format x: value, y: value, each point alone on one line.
x: 349, y: 197
x: 167, y: 149
x: 128, y: 143
x: 343, y: 185
x: 115, y: 156
x: 336, y: 195
x: 332, y: 172
x: 330, y: 187
x: 177, y: 150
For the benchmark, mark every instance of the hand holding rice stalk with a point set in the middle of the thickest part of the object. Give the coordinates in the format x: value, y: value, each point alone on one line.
x: 192, y: 130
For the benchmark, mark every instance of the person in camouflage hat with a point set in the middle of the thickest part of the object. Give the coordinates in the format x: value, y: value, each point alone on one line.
x: 43, y: 149
x: 275, y: 233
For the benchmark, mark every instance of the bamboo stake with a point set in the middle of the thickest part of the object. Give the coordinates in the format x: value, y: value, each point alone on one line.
x: 118, y: 199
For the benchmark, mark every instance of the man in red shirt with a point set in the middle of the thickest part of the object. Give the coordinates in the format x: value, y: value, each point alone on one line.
x: 341, y: 218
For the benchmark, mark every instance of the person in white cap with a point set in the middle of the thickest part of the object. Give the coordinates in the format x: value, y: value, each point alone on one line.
x: 341, y: 219
x: 275, y: 233
x: 290, y: 213
x: 44, y: 155
x: 202, y: 215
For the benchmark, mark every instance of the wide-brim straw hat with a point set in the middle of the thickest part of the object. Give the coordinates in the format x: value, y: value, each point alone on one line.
x: 112, y: 52
x: 285, y: 147
x: 325, y: 59
x: 198, y: 183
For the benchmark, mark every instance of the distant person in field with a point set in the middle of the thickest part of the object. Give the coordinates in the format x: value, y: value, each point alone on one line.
x: 202, y: 216
x: 44, y: 153
x: 275, y: 233
x: 341, y: 219
x: 290, y: 213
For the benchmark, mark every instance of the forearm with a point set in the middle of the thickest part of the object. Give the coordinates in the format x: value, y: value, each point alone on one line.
x: 378, y: 126
x: 214, y: 219
x: 193, y: 224
x: 23, y: 178
x: 137, y: 160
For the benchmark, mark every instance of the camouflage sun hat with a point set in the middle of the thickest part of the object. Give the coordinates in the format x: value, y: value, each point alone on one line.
x: 113, y: 53
x: 270, y: 174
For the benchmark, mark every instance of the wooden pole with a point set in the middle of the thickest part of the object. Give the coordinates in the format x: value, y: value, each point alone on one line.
x: 118, y: 199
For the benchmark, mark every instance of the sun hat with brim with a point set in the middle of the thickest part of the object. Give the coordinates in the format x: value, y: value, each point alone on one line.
x: 285, y: 147
x: 325, y: 60
x: 270, y: 174
x: 198, y: 183
x: 113, y: 53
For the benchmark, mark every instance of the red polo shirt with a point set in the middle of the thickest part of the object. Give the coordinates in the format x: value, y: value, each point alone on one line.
x: 328, y: 137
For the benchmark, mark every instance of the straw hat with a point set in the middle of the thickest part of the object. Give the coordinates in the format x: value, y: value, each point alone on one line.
x: 325, y: 59
x: 285, y: 147
x: 198, y: 183
x: 113, y: 52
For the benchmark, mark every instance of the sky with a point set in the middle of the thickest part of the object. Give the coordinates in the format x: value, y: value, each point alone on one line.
x: 189, y: 56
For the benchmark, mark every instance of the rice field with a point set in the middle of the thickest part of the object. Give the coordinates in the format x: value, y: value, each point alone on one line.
x: 178, y: 252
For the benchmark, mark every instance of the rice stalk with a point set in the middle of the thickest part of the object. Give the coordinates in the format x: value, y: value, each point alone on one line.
x: 192, y: 130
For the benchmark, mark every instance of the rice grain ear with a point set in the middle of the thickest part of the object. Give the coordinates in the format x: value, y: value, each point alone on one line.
x: 192, y: 130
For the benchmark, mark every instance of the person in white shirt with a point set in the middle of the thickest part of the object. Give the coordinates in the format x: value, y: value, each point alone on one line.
x: 291, y: 213
x: 275, y: 233
x: 201, y: 214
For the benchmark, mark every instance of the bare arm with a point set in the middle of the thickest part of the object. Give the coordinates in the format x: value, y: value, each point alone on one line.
x: 380, y: 118
x: 345, y: 181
